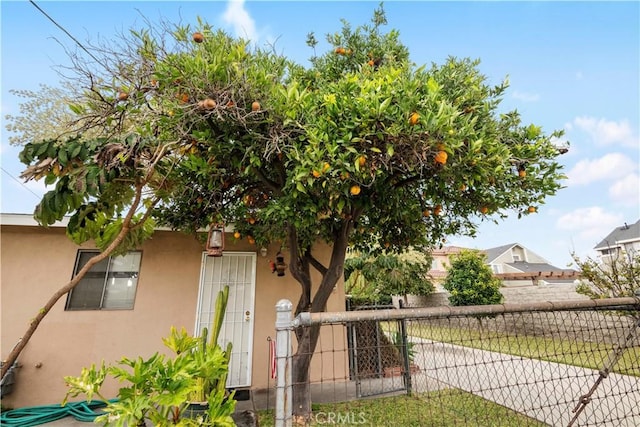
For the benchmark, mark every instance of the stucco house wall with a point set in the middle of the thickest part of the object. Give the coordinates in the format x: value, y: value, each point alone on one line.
x: 35, y: 262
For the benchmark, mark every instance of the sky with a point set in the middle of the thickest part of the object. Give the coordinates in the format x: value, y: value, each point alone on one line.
x: 573, y: 66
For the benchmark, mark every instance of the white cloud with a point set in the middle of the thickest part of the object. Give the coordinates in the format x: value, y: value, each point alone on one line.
x: 608, y: 132
x: 591, y: 224
x: 609, y: 167
x: 626, y: 191
x: 525, y: 97
x: 239, y: 19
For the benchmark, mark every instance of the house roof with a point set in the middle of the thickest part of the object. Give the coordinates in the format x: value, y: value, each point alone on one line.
x: 534, y: 267
x: 620, y: 234
x: 493, y: 253
x: 27, y: 220
x: 448, y: 250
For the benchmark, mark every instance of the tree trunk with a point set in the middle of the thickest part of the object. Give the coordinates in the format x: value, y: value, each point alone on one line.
x: 300, y: 371
x: 308, y: 336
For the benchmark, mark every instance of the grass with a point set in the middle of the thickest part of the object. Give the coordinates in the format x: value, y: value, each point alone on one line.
x: 442, y: 408
x: 577, y: 353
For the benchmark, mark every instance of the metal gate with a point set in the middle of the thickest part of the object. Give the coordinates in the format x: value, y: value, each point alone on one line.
x: 379, y: 355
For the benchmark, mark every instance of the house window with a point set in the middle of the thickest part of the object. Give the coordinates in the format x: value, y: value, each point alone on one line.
x: 496, y: 268
x: 516, y: 258
x: 109, y: 285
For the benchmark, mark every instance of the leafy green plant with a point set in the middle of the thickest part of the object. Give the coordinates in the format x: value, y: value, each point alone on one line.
x: 161, y: 388
x: 371, y: 278
x: 615, y: 276
x: 399, y: 343
x: 470, y: 281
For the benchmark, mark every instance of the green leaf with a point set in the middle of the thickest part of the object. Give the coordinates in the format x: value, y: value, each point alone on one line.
x: 432, y: 85
x: 62, y: 156
x: 383, y: 106
x: 390, y: 150
x: 50, y: 179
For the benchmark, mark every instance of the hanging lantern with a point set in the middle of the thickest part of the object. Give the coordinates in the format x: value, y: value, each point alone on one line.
x: 215, y: 240
x: 280, y: 265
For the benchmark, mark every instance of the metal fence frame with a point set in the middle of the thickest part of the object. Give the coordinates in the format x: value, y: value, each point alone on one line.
x: 285, y: 325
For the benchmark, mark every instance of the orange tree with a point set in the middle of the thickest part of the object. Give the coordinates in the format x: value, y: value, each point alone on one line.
x: 361, y: 148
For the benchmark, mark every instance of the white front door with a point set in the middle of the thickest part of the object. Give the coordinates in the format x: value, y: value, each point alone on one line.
x: 238, y: 270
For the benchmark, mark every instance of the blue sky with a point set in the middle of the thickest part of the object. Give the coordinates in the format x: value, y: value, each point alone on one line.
x: 572, y: 66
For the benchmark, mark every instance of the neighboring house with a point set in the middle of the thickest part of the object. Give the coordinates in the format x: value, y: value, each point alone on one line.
x: 525, y: 275
x: 622, y: 240
x: 126, y: 305
x: 440, y: 262
x: 517, y: 265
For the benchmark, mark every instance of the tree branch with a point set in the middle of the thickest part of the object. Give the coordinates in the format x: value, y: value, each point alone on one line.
x: 24, y: 340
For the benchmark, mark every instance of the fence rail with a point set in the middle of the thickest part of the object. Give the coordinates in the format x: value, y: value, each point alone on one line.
x: 565, y: 363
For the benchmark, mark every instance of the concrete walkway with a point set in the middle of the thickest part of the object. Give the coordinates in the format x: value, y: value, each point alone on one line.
x: 542, y: 390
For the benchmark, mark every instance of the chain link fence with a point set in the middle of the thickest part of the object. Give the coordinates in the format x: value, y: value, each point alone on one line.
x: 571, y: 363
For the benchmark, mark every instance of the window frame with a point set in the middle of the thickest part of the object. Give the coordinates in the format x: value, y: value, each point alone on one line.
x: 107, y: 274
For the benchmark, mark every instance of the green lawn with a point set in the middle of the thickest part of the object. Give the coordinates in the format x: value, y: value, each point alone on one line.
x: 441, y: 408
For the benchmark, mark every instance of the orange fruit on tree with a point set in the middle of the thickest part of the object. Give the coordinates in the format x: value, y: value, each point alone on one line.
x: 463, y: 187
x: 251, y: 220
x: 255, y: 106
x: 251, y: 240
x: 371, y: 63
x: 362, y: 161
x: 522, y: 173
x: 123, y: 96
x: 414, y: 118
x: 209, y: 104
x: 237, y: 235
x: 325, y: 167
x: 484, y: 210
x: 441, y: 157
x: 532, y: 209
x: 426, y: 212
x: 316, y: 173
x: 183, y: 97
x: 340, y: 51
x: 198, y: 37
x: 437, y: 210
x: 355, y: 190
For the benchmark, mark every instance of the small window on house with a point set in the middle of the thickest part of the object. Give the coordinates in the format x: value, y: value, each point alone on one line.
x: 496, y: 268
x: 109, y: 285
x: 516, y: 258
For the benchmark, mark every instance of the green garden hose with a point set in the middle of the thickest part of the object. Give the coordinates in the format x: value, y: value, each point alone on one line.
x: 37, y: 415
